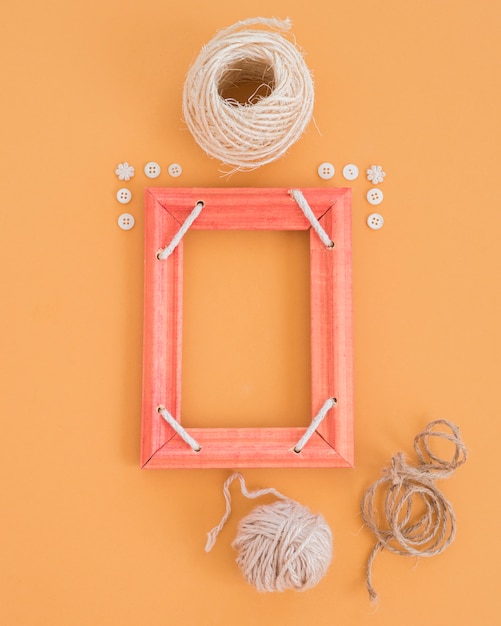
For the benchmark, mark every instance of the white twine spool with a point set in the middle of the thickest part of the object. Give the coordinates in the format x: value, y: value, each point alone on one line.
x: 250, y: 134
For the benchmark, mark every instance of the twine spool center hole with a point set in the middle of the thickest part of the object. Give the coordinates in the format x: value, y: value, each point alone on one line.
x: 246, y: 82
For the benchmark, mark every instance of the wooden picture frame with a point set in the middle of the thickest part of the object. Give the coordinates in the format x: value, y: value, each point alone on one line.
x: 330, y: 444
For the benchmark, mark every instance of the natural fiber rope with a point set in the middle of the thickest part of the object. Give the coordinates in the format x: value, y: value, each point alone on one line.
x: 259, y: 131
x: 400, y: 531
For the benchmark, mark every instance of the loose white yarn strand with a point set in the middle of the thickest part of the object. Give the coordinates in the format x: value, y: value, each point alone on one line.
x: 212, y: 535
x: 262, y: 129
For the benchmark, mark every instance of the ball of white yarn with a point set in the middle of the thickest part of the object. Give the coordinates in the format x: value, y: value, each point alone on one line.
x: 259, y: 131
x: 283, y: 546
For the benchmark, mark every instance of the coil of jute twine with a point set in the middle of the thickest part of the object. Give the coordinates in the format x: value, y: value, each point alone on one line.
x: 249, y: 134
x: 280, y: 545
x: 417, y: 520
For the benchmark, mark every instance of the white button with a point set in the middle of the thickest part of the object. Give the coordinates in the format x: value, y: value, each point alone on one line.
x: 375, y: 196
x: 375, y: 174
x: 124, y: 195
x: 326, y: 171
x: 350, y: 172
x: 375, y: 221
x: 152, y: 169
x: 126, y: 221
x: 175, y: 170
x: 124, y: 171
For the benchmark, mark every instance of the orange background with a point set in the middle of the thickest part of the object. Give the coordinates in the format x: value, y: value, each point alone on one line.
x: 86, y: 536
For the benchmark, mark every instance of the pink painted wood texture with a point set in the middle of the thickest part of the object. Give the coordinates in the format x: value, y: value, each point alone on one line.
x: 331, y: 329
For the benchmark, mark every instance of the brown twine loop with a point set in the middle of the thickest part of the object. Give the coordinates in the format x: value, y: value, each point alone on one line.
x: 418, y: 519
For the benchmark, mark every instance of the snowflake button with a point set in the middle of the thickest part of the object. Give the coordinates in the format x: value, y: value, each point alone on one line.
x: 375, y: 174
x: 124, y: 171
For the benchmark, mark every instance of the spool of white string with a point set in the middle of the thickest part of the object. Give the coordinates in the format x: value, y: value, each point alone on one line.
x: 258, y: 131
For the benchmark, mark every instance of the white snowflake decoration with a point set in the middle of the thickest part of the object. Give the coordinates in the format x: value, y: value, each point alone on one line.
x: 375, y: 174
x: 124, y: 171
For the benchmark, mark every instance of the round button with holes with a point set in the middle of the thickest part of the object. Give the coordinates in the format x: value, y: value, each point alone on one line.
x: 326, y: 171
x: 175, y: 170
x: 124, y: 195
x: 126, y: 221
x: 350, y: 171
x: 152, y: 169
x: 375, y: 221
x: 375, y: 196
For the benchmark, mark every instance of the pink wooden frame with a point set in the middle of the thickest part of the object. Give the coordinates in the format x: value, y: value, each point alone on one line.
x: 331, y: 329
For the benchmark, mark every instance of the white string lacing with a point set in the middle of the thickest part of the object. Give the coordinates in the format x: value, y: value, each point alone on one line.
x: 310, y: 216
x: 168, y: 250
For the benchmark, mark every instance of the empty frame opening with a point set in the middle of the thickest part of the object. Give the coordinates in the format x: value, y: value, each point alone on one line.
x: 246, y: 329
